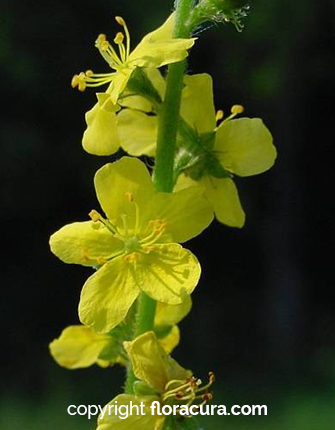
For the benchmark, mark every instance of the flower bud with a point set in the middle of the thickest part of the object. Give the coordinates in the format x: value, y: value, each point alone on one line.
x: 219, y: 11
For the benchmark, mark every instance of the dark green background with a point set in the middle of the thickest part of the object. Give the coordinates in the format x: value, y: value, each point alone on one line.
x: 264, y: 313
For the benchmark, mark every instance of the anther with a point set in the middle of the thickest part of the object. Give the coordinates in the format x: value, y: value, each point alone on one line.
x: 207, y: 397
x: 219, y: 115
x: 120, y: 20
x: 237, y: 109
x: 79, y: 81
x: 101, y: 38
x: 95, y: 216
x: 119, y: 38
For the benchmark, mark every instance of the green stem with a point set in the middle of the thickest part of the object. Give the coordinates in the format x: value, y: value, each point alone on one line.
x: 163, y: 175
x: 145, y: 314
x: 144, y: 322
x: 169, y: 114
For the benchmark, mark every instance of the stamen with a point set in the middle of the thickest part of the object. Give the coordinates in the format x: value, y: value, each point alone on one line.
x: 95, y: 216
x: 237, y: 109
x: 108, y: 52
x: 79, y: 81
x: 119, y: 38
x: 130, y: 258
x: 219, y: 115
x: 158, y: 227
x: 125, y: 224
x: 122, y: 22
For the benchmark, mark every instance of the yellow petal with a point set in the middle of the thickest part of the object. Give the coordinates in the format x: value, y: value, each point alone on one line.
x: 151, y: 364
x: 111, y: 421
x: 157, y: 80
x: 159, y: 48
x: 135, y: 102
x: 197, y: 107
x: 245, y: 146
x: 116, y: 183
x: 138, y: 132
x: 119, y: 83
x: 184, y: 182
x: 186, y: 213
x: 86, y: 243
x: 171, y: 340
x: 78, y: 347
x: 167, y: 272
x: 169, y: 315
x: 101, y: 136
x: 223, y: 195
x: 107, y: 296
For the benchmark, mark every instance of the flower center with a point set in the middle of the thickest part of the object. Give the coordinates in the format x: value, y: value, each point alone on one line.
x: 133, y: 245
x: 189, y: 391
x: 117, y: 61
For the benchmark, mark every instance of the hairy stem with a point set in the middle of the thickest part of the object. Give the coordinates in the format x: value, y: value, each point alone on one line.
x: 169, y: 114
x: 163, y: 174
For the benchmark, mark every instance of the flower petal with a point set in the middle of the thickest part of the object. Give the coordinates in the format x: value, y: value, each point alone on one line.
x: 78, y: 347
x: 112, y: 421
x: 138, y: 132
x: 116, y: 182
x: 119, y: 83
x: 186, y: 213
x: 159, y: 47
x: 101, y: 136
x: 171, y: 340
x: 151, y: 364
x: 135, y: 102
x: 197, y: 106
x: 157, y: 80
x: 167, y: 272
x: 107, y: 296
x: 223, y: 195
x: 169, y: 315
x: 245, y: 146
x: 86, y: 243
x: 129, y: 100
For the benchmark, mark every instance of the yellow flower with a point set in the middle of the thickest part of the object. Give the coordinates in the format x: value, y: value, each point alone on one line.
x: 241, y: 147
x: 156, y: 49
x: 79, y: 346
x: 164, y: 380
x: 136, y: 247
x: 209, y: 154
